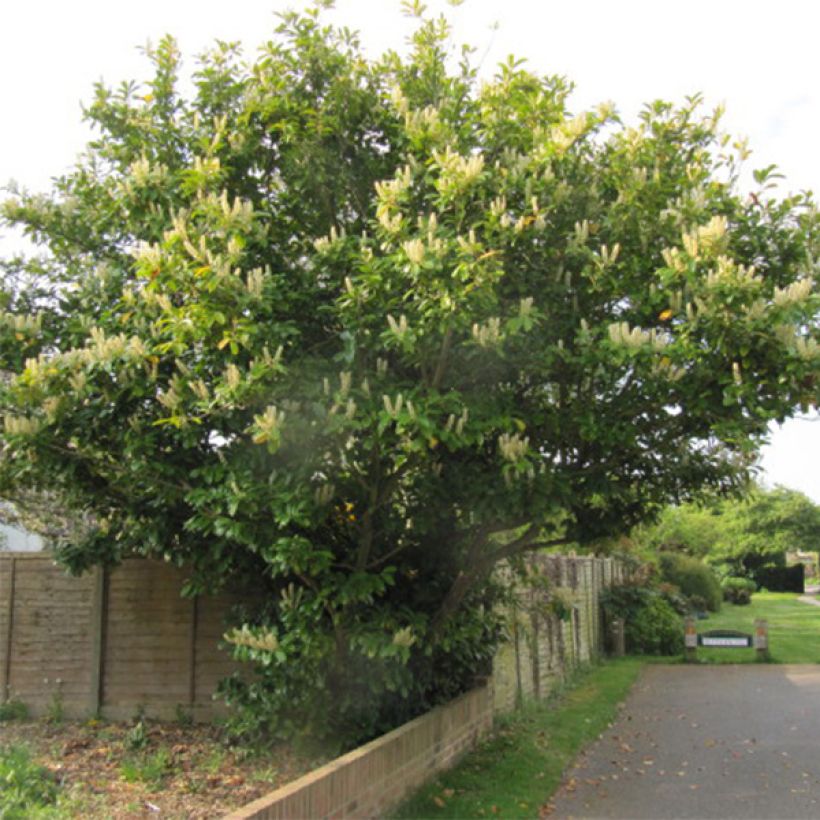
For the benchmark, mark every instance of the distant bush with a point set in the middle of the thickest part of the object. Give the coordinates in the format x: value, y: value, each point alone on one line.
x: 738, y: 590
x: 695, y: 580
x: 673, y: 596
x: 651, y: 624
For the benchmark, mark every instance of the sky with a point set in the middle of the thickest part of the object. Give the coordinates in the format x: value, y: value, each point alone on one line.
x: 760, y: 60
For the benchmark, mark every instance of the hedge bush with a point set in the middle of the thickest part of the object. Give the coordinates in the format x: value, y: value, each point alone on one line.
x: 696, y: 580
x: 651, y: 624
x: 738, y: 590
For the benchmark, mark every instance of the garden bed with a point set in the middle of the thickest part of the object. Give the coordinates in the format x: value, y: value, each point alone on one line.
x: 148, y: 769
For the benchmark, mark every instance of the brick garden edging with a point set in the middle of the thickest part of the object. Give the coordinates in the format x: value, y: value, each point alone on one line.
x: 371, y: 780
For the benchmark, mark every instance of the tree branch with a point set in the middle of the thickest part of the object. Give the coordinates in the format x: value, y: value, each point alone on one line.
x: 480, y: 568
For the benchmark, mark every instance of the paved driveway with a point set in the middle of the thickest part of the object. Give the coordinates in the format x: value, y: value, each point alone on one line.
x: 706, y: 742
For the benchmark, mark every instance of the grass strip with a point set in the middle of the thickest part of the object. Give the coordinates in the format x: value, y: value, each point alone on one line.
x: 794, y: 629
x: 520, y: 766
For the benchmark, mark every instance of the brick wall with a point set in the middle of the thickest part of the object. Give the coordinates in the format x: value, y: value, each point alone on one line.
x: 371, y: 780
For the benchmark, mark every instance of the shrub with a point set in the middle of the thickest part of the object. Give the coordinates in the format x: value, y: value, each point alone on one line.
x: 694, y: 579
x: 13, y: 709
x: 25, y: 787
x: 651, y: 624
x: 679, y: 602
x: 656, y: 629
x: 738, y: 590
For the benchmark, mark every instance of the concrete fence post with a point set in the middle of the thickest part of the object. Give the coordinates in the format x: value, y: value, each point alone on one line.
x: 99, y: 604
x: 690, y: 638
x: 618, y: 635
x: 761, y: 640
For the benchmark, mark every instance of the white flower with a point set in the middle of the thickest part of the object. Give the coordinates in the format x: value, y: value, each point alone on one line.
x: 414, y: 248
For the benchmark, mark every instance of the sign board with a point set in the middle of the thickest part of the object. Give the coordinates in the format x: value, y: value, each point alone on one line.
x: 725, y: 638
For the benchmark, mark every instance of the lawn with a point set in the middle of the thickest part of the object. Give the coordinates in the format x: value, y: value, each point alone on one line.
x: 515, y: 772
x: 794, y: 629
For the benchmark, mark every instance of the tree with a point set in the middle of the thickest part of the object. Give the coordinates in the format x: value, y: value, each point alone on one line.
x: 693, y: 529
x: 741, y: 534
x: 760, y: 530
x: 358, y: 330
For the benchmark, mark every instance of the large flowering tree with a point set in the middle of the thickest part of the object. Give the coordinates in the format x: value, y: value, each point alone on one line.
x: 358, y: 330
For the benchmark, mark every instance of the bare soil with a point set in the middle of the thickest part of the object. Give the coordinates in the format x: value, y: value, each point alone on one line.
x: 160, y: 770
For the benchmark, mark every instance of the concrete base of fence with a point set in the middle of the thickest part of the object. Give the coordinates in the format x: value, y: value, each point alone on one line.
x: 373, y: 779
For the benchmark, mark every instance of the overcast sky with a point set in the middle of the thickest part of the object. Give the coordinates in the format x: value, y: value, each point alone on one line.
x: 760, y: 59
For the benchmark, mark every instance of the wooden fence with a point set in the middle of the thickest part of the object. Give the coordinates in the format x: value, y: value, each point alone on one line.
x: 544, y: 647
x: 113, y: 642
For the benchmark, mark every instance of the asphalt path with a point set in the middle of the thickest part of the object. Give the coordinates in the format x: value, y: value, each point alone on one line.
x: 705, y: 742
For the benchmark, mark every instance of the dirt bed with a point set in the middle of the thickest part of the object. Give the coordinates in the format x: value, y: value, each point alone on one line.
x: 148, y: 769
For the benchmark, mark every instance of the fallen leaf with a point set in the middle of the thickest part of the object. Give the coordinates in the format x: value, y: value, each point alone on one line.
x: 439, y: 802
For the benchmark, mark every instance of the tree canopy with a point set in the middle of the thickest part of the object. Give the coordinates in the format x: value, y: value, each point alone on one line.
x: 739, y: 535
x: 358, y: 329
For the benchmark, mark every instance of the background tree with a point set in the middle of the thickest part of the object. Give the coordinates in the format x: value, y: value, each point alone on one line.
x: 760, y: 530
x: 357, y: 330
x: 738, y: 536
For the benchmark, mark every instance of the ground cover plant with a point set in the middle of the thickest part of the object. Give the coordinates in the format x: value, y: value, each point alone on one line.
x: 794, y: 629
x: 97, y: 769
x: 26, y: 788
x: 515, y: 772
x: 355, y: 330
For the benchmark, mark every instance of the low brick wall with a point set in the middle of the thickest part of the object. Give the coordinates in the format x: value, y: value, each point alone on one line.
x: 374, y: 778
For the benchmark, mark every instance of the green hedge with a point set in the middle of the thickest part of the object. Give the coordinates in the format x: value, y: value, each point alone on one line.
x: 651, y: 624
x: 695, y: 580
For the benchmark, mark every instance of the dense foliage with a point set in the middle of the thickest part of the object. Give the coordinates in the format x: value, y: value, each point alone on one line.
x: 357, y: 330
x: 693, y: 578
x: 652, y: 625
x: 738, y: 590
x: 744, y: 537
x: 26, y: 788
